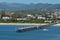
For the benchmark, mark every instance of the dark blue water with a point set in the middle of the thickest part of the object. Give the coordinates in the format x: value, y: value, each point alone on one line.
x: 9, y: 33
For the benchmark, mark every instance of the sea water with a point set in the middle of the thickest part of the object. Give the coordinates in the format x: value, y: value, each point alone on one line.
x: 8, y: 32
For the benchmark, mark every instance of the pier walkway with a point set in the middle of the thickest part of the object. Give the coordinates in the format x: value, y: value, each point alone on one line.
x: 36, y: 27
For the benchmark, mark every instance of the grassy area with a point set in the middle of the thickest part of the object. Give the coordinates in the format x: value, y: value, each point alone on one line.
x: 22, y: 21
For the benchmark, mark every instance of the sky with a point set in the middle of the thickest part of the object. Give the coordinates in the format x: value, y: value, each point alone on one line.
x: 32, y: 1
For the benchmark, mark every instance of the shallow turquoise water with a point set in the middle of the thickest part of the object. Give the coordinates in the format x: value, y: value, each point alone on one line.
x: 9, y: 33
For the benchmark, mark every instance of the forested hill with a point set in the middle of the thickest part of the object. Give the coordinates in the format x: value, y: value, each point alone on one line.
x: 32, y: 6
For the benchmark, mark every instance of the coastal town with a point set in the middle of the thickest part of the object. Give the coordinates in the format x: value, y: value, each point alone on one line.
x: 27, y: 17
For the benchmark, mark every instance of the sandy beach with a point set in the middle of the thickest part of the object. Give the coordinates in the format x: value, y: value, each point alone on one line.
x: 28, y: 24
x: 56, y: 24
x: 23, y: 24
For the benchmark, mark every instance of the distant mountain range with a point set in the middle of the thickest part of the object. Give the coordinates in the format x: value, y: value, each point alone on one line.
x: 32, y: 6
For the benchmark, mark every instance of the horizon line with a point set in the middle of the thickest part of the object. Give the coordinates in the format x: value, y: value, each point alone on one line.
x: 30, y: 3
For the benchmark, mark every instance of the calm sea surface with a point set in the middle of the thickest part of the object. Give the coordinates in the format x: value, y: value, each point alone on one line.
x: 9, y: 33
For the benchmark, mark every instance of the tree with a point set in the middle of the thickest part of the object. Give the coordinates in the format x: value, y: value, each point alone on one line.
x: 3, y: 13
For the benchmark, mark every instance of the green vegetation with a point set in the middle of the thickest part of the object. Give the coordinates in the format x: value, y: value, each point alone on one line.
x: 22, y: 21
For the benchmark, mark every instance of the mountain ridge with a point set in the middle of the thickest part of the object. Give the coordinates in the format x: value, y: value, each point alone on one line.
x: 32, y: 6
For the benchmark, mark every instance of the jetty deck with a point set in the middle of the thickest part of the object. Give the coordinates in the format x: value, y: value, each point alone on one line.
x: 33, y: 27
x: 30, y: 28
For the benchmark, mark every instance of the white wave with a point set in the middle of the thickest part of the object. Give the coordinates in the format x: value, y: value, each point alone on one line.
x: 45, y: 29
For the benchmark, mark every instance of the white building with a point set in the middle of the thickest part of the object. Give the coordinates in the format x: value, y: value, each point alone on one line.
x: 29, y: 16
x: 40, y: 17
x: 21, y: 18
x: 5, y: 18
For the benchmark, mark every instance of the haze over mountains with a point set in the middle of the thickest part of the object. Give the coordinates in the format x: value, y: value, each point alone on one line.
x: 32, y: 6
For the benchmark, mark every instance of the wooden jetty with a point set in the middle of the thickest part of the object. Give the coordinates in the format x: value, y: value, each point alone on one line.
x: 25, y: 29
x: 30, y: 28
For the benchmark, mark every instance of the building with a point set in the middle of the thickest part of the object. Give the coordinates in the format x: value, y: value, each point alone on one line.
x: 21, y: 19
x: 40, y: 17
x: 6, y: 18
x: 9, y: 14
x: 29, y: 16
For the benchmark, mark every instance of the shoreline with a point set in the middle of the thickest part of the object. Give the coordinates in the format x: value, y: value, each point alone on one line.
x: 23, y: 23
x: 56, y: 24
x: 28, y: 24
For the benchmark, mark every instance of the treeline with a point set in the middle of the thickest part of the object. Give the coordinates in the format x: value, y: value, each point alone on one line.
x: 24, y: 12
x: 33, y: 12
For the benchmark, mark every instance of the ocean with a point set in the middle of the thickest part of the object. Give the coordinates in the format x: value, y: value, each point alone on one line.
x: 8, y: 32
